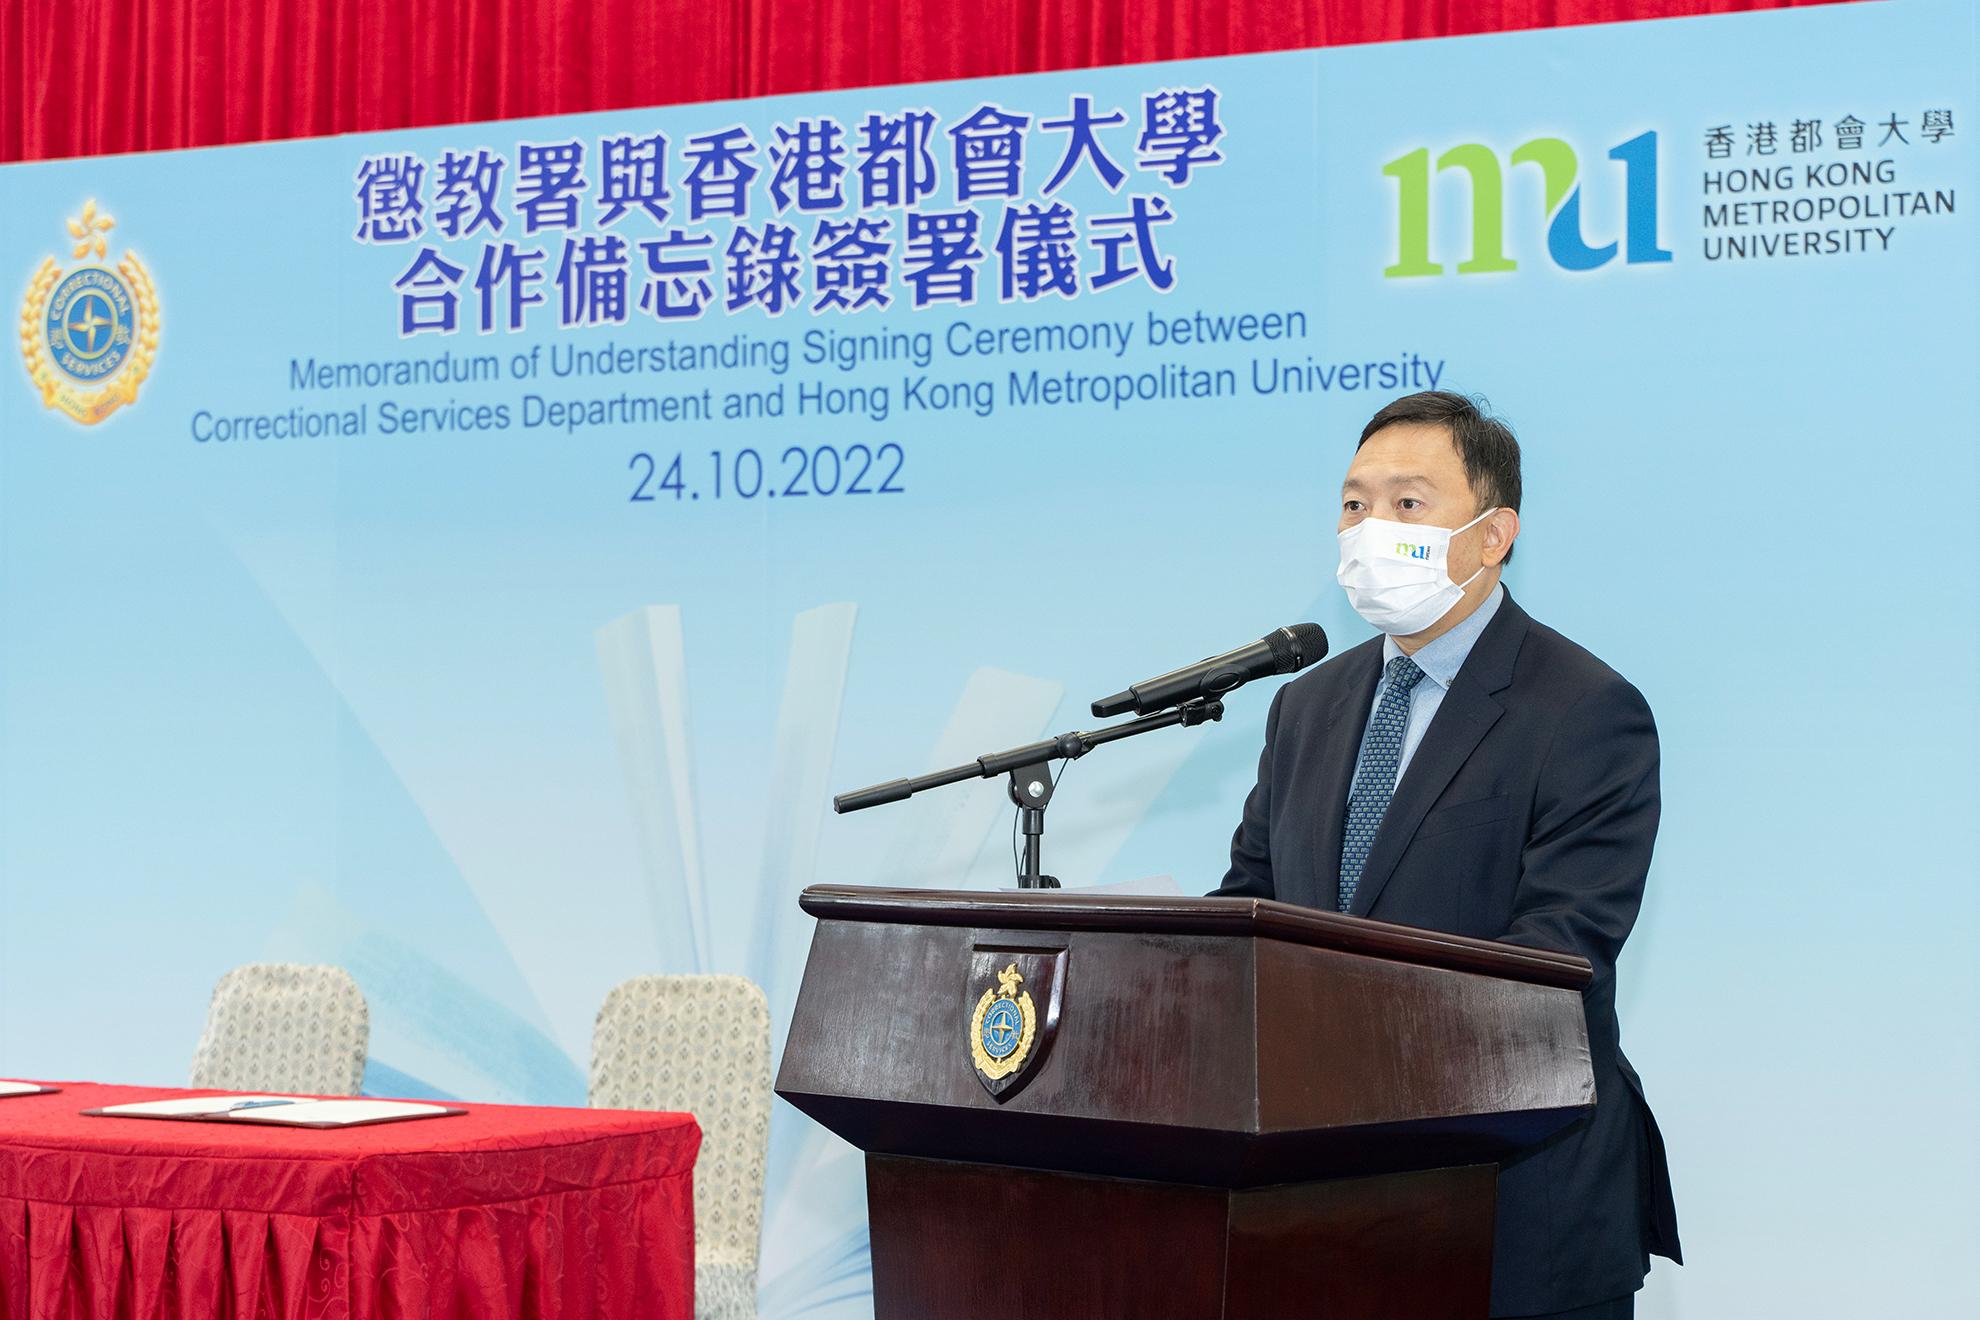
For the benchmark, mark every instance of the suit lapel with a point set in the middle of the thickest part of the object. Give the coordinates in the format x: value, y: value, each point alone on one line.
x: 1340, y: 743
x: 1467, y: 714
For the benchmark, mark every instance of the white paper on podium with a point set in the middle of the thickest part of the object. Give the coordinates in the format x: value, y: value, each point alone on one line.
x: 1155, y: 886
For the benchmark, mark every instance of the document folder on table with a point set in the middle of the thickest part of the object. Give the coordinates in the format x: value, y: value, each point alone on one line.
x: 279, y: 1110
x: 8, y: 1090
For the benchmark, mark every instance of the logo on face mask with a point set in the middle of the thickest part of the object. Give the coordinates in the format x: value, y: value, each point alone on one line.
x: 1408, y: 551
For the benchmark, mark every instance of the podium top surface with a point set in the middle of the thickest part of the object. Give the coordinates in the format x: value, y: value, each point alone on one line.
x: 1241, y: 918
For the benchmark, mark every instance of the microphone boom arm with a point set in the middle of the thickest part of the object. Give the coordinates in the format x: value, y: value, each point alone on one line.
x: 1029, y: 768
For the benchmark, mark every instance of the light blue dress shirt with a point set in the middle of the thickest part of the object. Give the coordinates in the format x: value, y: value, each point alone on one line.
x: 1440, y: 662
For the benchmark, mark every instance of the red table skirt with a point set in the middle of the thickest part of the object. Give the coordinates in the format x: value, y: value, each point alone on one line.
x: 507, y: 1212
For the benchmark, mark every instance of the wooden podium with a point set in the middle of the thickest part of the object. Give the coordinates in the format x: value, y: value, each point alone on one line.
x: 1125, y: 1108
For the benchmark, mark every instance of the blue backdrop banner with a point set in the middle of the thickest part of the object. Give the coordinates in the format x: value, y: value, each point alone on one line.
x: 475, y: 555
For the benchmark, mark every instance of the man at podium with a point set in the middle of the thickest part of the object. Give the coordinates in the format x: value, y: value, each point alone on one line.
x: 1473, y: 771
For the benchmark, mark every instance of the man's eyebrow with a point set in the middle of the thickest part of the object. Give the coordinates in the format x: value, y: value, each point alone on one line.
x: 1356, y: 483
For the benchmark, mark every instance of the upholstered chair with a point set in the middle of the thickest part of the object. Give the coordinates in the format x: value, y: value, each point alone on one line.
x: 700, y: 1045
x: 286, y: 1028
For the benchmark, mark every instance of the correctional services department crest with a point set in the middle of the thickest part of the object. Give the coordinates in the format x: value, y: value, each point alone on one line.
x: 1014, y: 1018
x: 89, y: 333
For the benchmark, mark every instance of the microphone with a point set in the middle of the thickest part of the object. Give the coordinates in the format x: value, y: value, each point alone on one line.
x: 1281, y: 651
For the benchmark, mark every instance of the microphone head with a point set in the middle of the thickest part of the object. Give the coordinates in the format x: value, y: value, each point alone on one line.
x: 1296, y: 647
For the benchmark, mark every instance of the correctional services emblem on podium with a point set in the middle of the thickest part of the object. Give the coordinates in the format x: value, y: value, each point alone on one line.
x: 1015, y: 1015
x: 89, y: 333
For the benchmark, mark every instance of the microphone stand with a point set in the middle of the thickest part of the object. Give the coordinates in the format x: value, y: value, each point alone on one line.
x: 1030, y: 771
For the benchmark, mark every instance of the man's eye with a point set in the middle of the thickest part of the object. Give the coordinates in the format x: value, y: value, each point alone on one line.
x: 1351, y: 506
x: 1411, y: 505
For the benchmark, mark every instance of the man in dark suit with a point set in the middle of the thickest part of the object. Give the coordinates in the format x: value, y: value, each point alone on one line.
x: 1474, y: 771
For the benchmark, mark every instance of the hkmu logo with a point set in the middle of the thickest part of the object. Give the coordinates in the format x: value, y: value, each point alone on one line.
x: 1559, y: 169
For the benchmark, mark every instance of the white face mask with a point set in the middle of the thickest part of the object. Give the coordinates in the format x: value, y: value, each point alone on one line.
x: 1397, y: 574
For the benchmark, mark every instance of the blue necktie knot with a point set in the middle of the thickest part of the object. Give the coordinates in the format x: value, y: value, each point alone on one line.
x: 1404, y: 672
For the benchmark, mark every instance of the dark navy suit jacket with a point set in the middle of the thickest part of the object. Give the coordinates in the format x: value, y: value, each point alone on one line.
x: 1527, y: 814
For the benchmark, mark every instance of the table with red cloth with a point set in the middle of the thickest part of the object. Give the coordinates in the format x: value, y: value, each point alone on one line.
x: 564, y: 1214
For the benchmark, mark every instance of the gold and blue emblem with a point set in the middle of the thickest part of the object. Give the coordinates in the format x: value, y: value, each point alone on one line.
x: 1010, y: 1029
x: 1006, y: 1023
x: 89, y: 334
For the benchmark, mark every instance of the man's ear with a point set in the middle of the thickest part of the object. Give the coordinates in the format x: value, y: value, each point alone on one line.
x: 1501, y: 530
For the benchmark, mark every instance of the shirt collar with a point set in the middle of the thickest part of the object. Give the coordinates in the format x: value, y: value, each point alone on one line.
x: 1440, y: 660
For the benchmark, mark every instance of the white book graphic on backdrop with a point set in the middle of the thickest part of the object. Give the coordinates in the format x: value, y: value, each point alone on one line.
x: 940, y: 834
x: 643, y: 659
x: 799, y: 795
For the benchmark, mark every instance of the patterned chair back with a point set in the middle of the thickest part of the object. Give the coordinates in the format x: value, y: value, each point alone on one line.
x: 284, y: 1027
x: 700, y: 1045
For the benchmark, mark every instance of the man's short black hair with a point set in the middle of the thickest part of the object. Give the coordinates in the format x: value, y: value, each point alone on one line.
x: 1484, y: 442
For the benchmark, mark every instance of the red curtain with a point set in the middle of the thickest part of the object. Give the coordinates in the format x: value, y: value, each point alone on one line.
x: 88, y: 77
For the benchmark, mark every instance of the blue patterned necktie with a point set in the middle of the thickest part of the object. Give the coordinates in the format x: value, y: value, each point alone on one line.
x: 1375, y: 777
